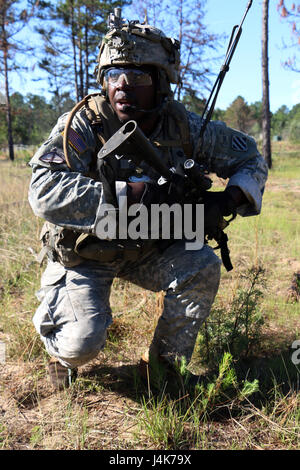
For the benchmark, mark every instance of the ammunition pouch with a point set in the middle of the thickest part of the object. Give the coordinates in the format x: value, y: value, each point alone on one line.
x: 70, y: 248
x: 58, y: 245
x: 109, y: 251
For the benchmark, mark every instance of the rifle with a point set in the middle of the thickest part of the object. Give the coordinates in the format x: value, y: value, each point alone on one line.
x: 130, y: 141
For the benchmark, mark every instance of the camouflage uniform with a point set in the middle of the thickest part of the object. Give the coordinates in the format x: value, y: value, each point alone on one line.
x: 74, y: 312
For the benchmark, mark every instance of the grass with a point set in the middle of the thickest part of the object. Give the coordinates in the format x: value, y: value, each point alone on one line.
x: 249, y: 396
x: 178, y: 424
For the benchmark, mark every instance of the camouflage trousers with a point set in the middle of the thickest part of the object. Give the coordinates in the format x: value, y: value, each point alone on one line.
x: 75, y: 313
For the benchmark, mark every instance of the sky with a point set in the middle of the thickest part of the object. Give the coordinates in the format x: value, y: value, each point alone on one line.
x: 244, y: 77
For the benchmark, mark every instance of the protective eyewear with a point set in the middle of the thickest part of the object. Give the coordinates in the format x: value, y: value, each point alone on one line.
x: 132, y: 77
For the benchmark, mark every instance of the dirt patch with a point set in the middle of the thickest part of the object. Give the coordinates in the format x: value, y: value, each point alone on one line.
x: 32, y: 415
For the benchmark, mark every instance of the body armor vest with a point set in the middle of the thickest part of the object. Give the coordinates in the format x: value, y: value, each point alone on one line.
x: 173, y: 143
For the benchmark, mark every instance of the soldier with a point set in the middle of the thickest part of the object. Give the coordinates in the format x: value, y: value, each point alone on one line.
x: 137, y: 64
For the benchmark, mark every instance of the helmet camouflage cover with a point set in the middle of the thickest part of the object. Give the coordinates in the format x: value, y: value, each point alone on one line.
x: 135, y: 43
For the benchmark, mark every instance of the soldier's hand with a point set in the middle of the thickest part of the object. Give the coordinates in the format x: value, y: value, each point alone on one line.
x: 222, y: 199
x: 216, y: 206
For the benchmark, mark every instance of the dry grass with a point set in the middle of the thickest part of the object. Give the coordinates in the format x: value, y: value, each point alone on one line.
x: 107, y: 407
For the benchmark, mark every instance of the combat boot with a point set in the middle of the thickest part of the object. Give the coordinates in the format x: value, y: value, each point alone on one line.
x: 61, y: 377
x: 154, y: 372
x: 158, y: 373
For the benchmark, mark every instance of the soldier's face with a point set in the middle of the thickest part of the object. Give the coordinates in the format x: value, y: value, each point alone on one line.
x: 130, y: 90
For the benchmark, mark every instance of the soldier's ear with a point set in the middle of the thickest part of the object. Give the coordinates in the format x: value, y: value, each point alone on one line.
x: 104, y: 88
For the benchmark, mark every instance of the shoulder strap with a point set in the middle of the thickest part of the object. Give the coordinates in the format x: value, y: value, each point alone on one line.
x: 99, y: 111
x: 77, y: 107
x: 93, y: 113
x: 176, y: 111
x: 180, y: 114
x: 101, y: 117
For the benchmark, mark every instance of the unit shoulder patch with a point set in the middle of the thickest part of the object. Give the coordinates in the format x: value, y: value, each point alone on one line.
x: 54, y: 156
x: 239, y: 143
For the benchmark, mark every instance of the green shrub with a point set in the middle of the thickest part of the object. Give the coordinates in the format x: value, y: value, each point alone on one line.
x: 235, y: 327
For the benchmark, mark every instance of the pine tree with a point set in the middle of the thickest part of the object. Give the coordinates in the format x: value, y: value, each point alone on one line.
x: 266, y: 119
x: 238, y: 115
x: 71, y: 31
x: 13, y: 18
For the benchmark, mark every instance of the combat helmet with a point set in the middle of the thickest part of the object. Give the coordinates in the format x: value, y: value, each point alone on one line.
x: 138, y: 44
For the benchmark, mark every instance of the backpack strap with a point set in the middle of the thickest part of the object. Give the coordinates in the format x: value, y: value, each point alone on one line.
x: 102, y: 119
x: 81, y: 104
x: 179, y: 112
x: 176, y: 112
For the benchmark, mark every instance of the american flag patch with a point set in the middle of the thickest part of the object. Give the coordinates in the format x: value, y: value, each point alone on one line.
x: 76, y: 141
x: 239, y: 143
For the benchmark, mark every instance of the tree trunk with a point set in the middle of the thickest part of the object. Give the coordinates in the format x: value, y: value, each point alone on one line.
x: 74, y: 52
x: 8, y: 108
x: 266, y: 117
x: 81, y: 73
x: 86, y: 51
